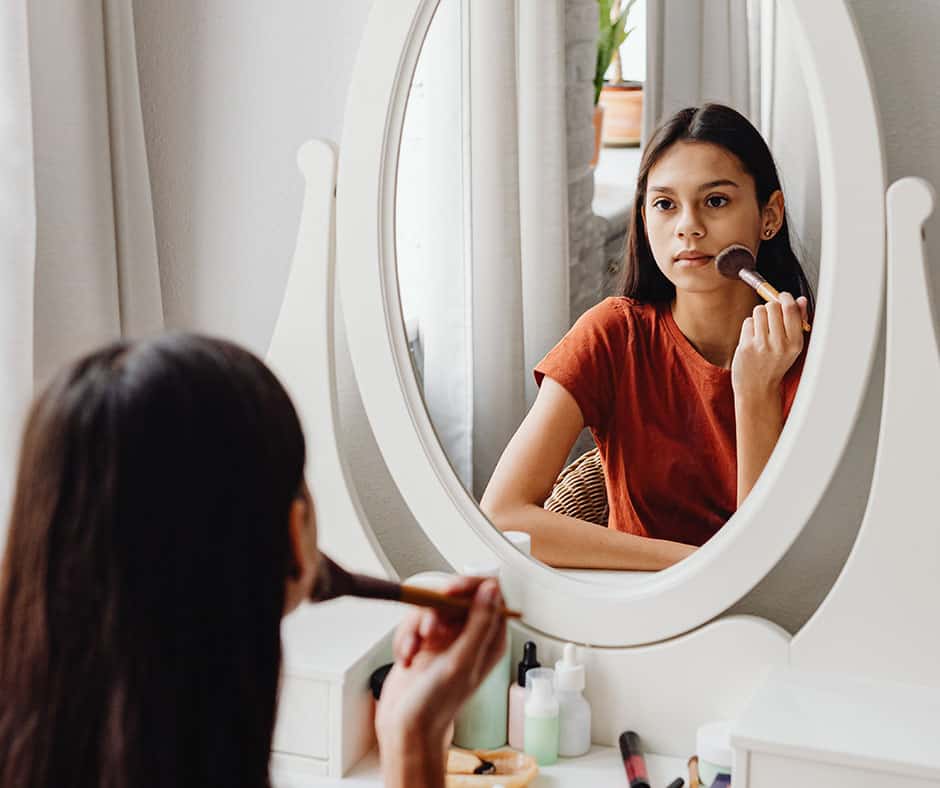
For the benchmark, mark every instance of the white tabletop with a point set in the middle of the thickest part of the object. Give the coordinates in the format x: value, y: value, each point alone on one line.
x: 602, y: 766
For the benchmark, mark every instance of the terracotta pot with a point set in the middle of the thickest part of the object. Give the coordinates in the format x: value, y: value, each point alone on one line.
x: 598, y: 125
x: 623, y: 114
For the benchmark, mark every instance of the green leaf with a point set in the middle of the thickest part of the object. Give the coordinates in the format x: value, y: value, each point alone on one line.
x: 611, y: 35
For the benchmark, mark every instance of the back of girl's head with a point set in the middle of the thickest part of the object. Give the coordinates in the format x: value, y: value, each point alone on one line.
x: 143, y: 580
x: 719, y: 125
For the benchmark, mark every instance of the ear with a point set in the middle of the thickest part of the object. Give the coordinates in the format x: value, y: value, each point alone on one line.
x: 772, y: 216
x: 296, y: 520
x: 304, y: 557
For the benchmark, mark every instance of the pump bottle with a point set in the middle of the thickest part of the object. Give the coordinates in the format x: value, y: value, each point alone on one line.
x: 574, y: 712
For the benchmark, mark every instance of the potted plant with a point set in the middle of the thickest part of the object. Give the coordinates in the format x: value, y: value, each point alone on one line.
x: 618, y: 104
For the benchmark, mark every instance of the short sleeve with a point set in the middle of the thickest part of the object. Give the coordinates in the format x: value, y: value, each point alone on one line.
x: 586, y: 361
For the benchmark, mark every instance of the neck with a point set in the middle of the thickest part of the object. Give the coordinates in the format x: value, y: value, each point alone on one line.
x: 712, y: 321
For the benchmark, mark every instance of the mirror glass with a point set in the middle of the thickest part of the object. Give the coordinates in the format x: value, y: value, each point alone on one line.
x: 670, y: 427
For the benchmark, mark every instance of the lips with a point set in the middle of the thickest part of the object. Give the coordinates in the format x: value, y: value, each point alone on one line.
x: 692, y: 259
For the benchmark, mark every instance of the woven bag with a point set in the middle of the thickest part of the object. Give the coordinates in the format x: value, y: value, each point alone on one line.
x: 581, y: 490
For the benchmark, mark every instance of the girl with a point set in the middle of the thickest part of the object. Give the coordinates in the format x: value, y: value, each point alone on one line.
x: 160, y: 529
x: 686, y: 379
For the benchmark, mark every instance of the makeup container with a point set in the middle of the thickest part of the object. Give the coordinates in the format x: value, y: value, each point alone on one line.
x: 541, y: 717
x: 517, y: 696
x: 482, y: 721
x: 574, y: 712
x: 713, y: 747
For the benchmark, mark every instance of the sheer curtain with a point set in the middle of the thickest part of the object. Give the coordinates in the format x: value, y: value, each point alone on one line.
x: 698, y: 51
x: 79, y: 260
x: 482, y: 219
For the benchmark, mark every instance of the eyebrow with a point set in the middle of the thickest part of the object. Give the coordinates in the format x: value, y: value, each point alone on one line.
x: 702, y: 188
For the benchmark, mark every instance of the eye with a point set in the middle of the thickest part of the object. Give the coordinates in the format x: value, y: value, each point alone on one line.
x: 662, y: 203
x: 716, y: 201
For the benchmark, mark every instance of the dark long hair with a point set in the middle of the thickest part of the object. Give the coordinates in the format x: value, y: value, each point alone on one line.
x: 722, y: 126
x: 143, y: 581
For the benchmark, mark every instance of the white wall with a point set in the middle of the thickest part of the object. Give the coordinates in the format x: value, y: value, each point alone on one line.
x: 231, y: 89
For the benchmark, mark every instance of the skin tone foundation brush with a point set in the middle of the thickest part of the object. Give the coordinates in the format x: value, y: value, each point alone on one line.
x: 334, y: 581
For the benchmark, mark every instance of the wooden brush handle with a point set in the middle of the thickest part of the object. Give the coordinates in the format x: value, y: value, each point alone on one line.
x: 765, y: 290
x: 425, y: 597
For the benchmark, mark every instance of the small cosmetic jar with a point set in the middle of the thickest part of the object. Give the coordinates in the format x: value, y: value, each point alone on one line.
x: 713, y: 747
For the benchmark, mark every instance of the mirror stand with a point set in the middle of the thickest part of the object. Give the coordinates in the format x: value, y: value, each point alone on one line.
x: 876, y: 622
x: 859, y: 703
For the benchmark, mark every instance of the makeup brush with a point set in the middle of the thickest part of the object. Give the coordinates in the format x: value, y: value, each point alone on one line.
x: 737, y: 262
x: 334, y: 581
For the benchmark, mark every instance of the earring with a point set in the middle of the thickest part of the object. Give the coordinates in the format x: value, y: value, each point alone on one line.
x: 768, y: 232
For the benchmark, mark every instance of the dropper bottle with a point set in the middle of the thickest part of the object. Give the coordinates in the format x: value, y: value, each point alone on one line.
x: 517, y: 697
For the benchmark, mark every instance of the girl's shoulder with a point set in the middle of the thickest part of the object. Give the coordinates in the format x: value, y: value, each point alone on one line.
x: 620, y: 314
x: 615, y: 325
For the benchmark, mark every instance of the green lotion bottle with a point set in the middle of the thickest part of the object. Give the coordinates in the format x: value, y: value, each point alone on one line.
x: 481, y: 722
x: 541, y: 717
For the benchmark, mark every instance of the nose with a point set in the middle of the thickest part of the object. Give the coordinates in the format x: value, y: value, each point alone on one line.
x: 690, y: 225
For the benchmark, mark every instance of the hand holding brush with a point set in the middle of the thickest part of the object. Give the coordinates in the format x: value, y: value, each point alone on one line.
x: 737, y: 262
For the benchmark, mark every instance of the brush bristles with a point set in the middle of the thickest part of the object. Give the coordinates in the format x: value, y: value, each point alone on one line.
x: 731, y: 260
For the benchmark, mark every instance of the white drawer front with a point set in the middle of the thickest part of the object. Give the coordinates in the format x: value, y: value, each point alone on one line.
x: 775, y: 771
x: 303, y: 718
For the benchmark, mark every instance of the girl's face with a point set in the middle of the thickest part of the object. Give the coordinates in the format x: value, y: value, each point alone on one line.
x: 699, y: 200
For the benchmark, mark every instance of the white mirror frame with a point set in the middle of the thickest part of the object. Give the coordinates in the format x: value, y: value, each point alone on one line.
x: 845, y: 336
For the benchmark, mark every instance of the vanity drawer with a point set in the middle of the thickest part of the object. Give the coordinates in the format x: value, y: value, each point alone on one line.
x: 776, y: 771
x: 325, y: 708
x: 302, y: 718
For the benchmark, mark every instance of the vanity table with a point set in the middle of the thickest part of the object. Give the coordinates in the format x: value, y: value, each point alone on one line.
x: 602, y: 766
x: 662, y: 654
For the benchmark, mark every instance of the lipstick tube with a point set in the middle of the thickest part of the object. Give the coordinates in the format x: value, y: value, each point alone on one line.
x: 633, y: 760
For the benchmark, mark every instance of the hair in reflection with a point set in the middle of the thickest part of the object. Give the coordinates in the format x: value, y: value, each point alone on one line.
x: 722, y: 126
x: 143, y: 582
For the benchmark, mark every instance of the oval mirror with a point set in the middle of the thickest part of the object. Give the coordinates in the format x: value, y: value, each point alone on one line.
x: 465, y: 254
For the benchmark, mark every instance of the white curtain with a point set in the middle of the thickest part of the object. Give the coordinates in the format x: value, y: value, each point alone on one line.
x: 482, y: 219
x: 699, y: 51
x: 79, y: 259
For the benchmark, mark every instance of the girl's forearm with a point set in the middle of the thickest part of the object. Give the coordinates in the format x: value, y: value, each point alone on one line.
x: 758, y: 424
x: 566, y: 542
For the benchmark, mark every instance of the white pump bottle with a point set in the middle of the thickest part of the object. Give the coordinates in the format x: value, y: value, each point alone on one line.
x: 574, y: 712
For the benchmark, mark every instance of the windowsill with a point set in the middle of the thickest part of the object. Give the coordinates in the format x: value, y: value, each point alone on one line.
x: 614, y: 186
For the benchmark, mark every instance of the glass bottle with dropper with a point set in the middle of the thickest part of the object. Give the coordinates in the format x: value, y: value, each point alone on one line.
x: 517, y: 696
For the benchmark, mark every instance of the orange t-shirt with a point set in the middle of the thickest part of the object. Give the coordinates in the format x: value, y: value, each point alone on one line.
x: 662, y: 416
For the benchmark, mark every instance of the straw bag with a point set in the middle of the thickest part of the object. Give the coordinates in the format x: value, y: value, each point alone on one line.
x: 581, y: 490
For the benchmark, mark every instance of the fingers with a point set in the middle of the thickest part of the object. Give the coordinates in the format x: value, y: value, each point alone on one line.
x: 407, y: 640
x: 791, y: 317
x: 433, y: 630
x: 761, y: 329
x: 803, y: 304
x: 471, y: 650
x: 747, y: 331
